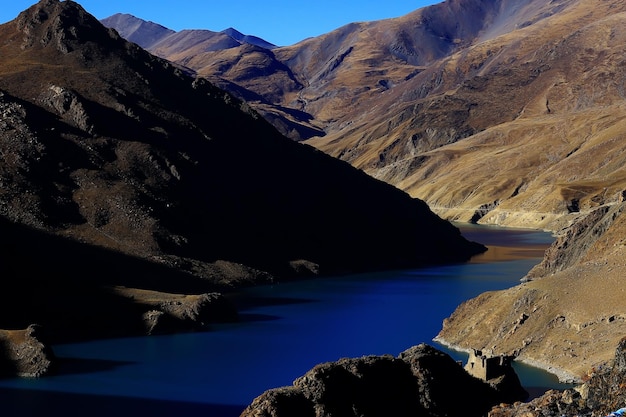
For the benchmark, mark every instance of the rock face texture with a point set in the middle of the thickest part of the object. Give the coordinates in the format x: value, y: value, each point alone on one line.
x: 23, y: 353
x: 601, y: 394
x: 417, y: 383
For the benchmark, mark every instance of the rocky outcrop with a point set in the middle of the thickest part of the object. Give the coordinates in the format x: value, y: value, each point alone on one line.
x: 600, y: 394
x: 169, y: 313
x: 420, y: 381
x: 68, y: 105
x: 573, y: 245
x: 24, y: 353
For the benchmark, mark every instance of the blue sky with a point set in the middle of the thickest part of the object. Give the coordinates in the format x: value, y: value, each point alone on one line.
x: 282, y: 22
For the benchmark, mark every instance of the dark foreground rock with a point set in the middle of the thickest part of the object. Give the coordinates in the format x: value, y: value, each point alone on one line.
x: 602, y: 394
x: 419, y: 382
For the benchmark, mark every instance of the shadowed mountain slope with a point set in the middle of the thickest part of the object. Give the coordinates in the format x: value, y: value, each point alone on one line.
x: 388, y: 94
x: 110, y: 146
x: 503, y: 112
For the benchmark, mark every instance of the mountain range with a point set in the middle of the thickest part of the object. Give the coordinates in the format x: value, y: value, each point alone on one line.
x: 128, y: 183
x: 506, y: 112
x: 393, y: 96
x: 143, y: 173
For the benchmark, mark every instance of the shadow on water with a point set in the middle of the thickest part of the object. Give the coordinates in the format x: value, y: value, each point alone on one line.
x: 20, y: 402
x: 250, y: 301
x: 251, y: 317
x: 247, y: 302
x: 75, y: 366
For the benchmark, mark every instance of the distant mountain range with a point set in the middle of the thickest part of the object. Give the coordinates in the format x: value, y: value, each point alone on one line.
x: 507, y: 112
x: 150, y: 35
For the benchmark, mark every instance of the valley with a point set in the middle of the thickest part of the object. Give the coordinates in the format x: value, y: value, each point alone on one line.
x: 145, y: 182
x: 512, y: 116
x: 124, y: 171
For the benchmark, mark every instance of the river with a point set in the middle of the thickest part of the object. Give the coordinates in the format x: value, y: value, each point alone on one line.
x: 285, y: 329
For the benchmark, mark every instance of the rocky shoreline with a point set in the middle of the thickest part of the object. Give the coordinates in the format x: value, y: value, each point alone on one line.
x: 562, y: 374
x: 566, y: 314
x: 563, y: 318
x: 418, y: 382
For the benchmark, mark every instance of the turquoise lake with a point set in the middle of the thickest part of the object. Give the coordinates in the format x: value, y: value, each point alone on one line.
x: 285, y: 330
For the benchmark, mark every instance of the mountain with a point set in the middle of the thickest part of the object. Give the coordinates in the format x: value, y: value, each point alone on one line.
x: 393, y: 96
x: 244, y: 65
x: 141, y: 32
x: 149, y: 34
x: 121, y: 170
x: 505, y: 112
x: 248, y: 39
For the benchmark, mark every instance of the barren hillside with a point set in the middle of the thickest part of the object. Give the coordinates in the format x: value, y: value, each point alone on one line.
x: 500, y: 112
x: 120, y: 169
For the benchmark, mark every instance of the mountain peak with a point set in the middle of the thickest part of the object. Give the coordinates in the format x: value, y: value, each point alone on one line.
x: 63, y: 24
x: 252, y: 40
x: 142, y: 32
x: 231, y: 31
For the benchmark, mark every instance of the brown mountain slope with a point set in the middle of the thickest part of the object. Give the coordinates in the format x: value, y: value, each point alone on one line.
x: 531, y: 106
x: 388, y: 92
x: 550, y: 155
x: 327, y: 75
x: 107, y: 145
x: 519, y: 123
x: 569, y: 316
x: 513, y: 115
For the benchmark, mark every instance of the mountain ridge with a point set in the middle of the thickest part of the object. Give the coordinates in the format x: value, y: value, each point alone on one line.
x: 512, y: 115
x: 127, y: 157
x: 148, y: 35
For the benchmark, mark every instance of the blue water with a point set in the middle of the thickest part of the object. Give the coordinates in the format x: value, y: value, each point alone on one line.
x: 285, y: 330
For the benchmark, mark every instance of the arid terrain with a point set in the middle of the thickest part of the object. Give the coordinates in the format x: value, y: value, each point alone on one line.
x: 130, y: 187
x: 502, y: 112
x: 143, y: 172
